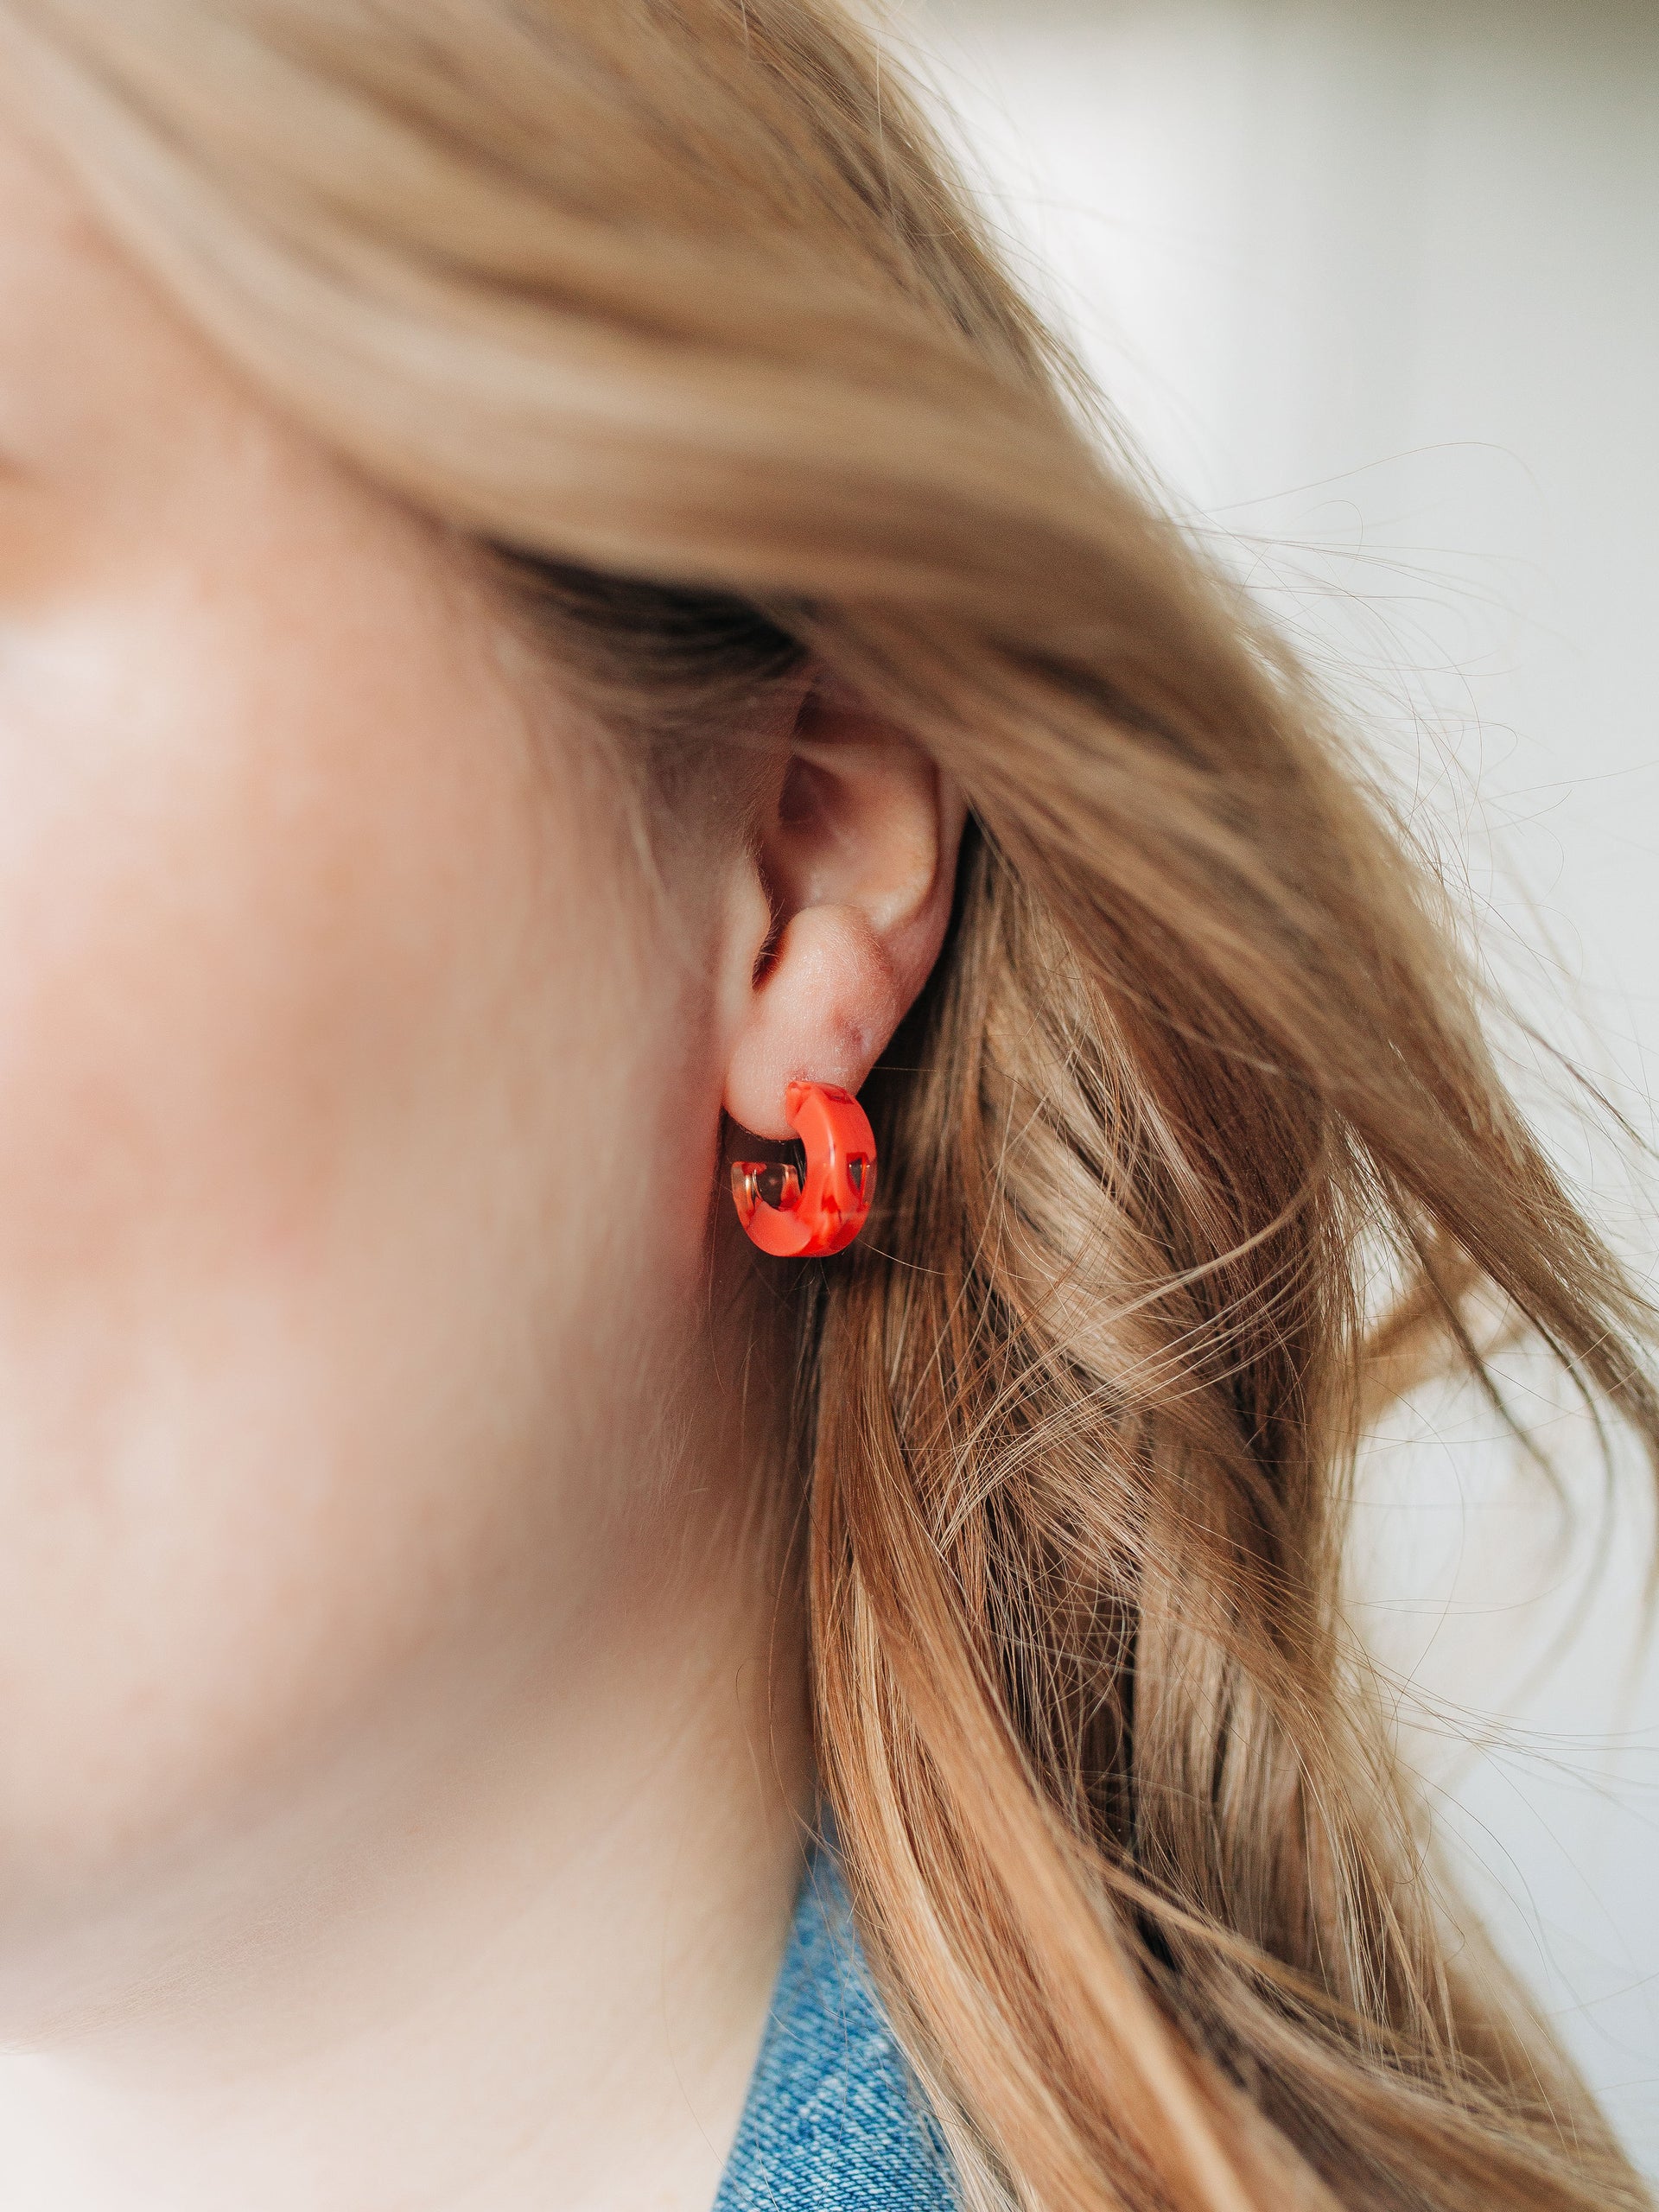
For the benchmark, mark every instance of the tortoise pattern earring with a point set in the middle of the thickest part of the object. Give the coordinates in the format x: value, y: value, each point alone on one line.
x: 805, y: 1215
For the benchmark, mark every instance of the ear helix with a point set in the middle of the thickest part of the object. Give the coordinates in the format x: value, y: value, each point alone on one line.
x: 807, y: 1216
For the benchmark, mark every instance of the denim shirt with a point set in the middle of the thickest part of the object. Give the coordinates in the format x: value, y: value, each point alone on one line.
x: 834, y: 2120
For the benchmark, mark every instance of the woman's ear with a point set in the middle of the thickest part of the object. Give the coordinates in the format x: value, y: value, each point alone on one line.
x: 849, y: 878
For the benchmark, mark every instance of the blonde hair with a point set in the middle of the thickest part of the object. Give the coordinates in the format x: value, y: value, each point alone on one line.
x: 679, y: 301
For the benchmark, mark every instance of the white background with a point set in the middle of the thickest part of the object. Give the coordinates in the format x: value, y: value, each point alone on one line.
x: 1372, y: 282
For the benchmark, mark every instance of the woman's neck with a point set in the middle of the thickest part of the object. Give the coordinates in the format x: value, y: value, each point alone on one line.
x: 531, y: 1972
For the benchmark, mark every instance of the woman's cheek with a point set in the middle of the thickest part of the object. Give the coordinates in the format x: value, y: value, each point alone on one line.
x: 285, y: 1097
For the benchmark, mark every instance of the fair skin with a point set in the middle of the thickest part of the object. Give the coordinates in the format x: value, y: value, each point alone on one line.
x: 401, y: 1761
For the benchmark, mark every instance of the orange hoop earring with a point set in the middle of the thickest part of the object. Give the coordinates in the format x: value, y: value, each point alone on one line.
x: 803, y: 1217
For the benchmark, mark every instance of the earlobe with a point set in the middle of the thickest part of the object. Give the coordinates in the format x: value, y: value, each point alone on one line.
x: 857, y: 849
x: 822, y: 1012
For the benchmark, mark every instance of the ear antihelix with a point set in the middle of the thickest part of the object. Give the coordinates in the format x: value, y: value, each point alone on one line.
x: 809, y: 1214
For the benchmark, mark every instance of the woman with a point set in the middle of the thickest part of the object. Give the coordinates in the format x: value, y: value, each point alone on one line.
x: 552, y: 594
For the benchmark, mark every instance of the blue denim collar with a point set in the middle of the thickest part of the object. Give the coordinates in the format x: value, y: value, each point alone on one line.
x: 834, y: 2122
